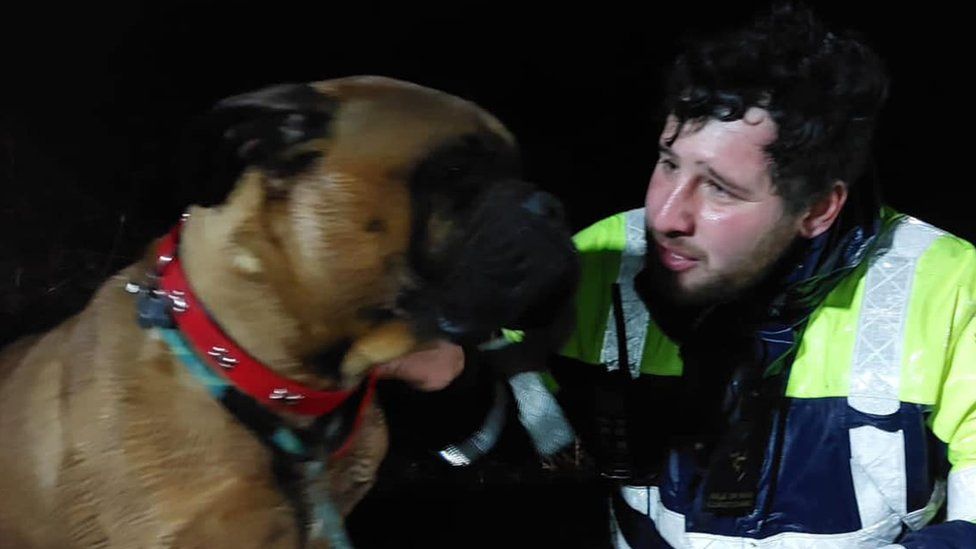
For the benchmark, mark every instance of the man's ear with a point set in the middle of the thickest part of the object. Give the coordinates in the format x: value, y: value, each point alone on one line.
x: 821, y: 215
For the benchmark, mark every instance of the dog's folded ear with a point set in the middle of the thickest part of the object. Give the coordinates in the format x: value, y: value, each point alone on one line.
x: 264, y: 128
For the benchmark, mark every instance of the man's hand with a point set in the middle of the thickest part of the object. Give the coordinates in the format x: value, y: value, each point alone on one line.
x: 429, y: 369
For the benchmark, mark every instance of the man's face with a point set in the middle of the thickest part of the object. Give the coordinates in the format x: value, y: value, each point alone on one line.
x: 715, y: 224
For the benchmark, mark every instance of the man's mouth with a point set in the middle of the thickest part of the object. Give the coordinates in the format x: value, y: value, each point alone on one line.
x: 674, y: 260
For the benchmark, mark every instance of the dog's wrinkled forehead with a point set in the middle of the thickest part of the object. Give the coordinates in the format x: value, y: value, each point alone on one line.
x: 402, y: 123
x: 369, y: 126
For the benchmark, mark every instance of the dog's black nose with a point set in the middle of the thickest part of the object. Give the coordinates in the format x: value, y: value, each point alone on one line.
x: 544, y: 205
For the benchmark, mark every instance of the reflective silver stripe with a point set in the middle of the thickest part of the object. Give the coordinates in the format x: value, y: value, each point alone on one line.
x: 540, y: 414
x: 878, y: 473
x: 634, y: 312
x: 671, y: 526
x: 962, y: 495
x: 453, y: 455
x: 875, y: 376
x: 637, y: 497
x: 920, y: 517
x: 482, y: 440
x: 878, y: 465
x: 617, y: 540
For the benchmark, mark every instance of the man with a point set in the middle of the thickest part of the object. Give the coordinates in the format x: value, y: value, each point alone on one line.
x: 763, y: 355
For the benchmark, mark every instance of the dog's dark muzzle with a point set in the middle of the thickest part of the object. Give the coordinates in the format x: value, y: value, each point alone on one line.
x: 514, y: 266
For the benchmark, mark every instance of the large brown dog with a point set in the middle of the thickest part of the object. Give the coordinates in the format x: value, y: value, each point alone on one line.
x: 372, y: 215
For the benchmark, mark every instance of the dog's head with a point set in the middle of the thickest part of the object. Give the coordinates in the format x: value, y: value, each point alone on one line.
x: 386, y: 200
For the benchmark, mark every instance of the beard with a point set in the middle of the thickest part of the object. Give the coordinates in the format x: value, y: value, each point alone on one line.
x: 752, y: 280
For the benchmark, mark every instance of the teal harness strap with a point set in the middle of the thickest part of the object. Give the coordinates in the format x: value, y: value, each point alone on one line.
x: 326, y: 521
x: 282, y: 438
x: 216, y: 385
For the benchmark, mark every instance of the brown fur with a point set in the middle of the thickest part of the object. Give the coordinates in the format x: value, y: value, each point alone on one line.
x: 108, y: 441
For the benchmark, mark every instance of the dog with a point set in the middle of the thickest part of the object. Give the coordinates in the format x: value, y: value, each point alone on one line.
x: 371, y: 217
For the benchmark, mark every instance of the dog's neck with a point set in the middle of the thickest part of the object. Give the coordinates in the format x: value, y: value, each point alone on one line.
x: 227, y: 280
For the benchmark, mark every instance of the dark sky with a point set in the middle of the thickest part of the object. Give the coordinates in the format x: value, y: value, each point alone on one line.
x: 98, y: 96
x: 95, y: 100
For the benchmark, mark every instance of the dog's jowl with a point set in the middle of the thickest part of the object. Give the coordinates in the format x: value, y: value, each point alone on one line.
x: 218, y: 392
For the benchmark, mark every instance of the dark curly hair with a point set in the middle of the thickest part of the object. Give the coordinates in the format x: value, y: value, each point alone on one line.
x: 824, y: 90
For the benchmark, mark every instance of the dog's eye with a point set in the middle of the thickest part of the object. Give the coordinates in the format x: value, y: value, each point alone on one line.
x: 452, y: 173
x: 452, y: 163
